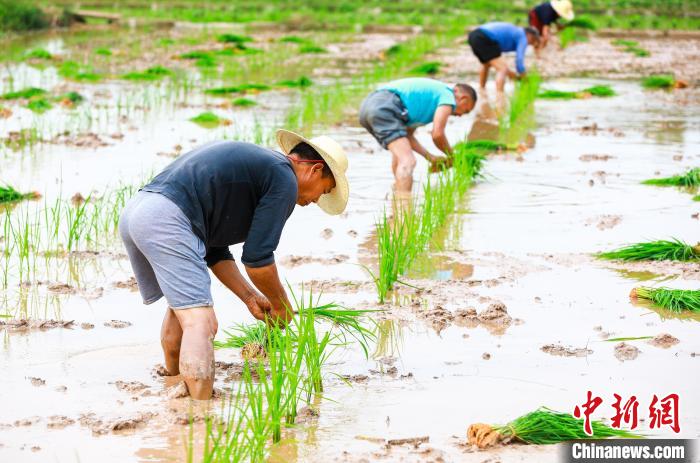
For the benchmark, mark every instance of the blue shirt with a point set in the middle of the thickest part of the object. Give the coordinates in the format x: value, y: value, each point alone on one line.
x: 232, y: 192
x: 509, y: 38
x: 421, y: 97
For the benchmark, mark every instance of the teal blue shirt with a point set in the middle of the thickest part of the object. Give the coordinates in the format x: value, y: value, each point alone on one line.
x: 421, y: 97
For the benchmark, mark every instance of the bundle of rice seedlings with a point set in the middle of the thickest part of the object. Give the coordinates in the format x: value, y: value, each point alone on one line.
x: 430, y: 68
x: 600, y: 90
x: 311, y: 48
x: 582, y: 23
x: 487, y: 145
x: 690, y: 179
x: 659, y: 81
x: 243, y: 102
x: 301, y: 82
x: 673, y: 249
x: 557, y: 95
x: 26, y: 93
x: 209, y: 119
x: 542, y: 427
x: 233, y: 38
x: 596, y: 90
x: 675, y: 300
x: 9, y: 195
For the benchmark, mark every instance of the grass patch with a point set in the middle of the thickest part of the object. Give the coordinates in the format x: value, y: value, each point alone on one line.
x: 243, y: 88
x: 427, y: 69
x: 26, y: 93
x: 675, y: 300
x: 301, y: 82
x: 38, y: 53
x: 311, y: 48
x: 10, y: 195
x: 209, y: 120
x: 150, y: 74
x: 545, y: 427
x: 74, y: 71
x: 244, y: 102
x: 655, y: 250
x: 690, y: 179
x: 659, y: 81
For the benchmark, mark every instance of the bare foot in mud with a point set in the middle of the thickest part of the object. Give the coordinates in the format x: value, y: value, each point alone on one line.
x: 179, y: 391
x: 160, y: 370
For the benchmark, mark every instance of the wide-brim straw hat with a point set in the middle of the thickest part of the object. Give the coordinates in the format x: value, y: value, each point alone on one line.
x: 564, y: 8
x: 332, y: 203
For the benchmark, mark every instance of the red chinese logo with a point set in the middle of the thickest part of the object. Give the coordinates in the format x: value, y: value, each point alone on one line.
x: 666, y: 413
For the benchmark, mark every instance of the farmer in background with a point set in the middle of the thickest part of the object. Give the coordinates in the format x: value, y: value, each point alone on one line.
x: 392, y: 113
x: 490, y: 41
x: 217, y: 195
x: 544, y: 15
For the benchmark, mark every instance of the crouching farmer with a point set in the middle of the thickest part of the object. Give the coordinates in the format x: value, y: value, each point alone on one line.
x: 217, y: 195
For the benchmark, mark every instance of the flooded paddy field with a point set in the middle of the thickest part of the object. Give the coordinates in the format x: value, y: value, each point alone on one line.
x: 507, y: 311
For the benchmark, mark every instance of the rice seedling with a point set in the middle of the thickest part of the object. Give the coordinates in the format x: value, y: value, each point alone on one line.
x: 487, y: 146
x: 225, y: 441
x: 629, y: 338
x: 152, y: 73
x: 600, y: 91
x: 234, y: 38
x: 311, y: 48
x: 430, y: 68
x: 9, y: 195
x: 70, y: 99
x: 201, y: 58
x: 26, y: 93
x: 690, y: 179
x: 301, y: 82
x: 103, y: 51
x: 243, y: 88
x: 209, y: 120
x: 659, y: 81
x: 39, y: 105
x: 74, y: 71
x: 675, y: 300
x: 625, y: 43
x: 544, y: 427
x: 696, y: 198
x: 244, y: 102
x: 673, y: 249
x: 582, y: 22
x: 38, y: 53
x: 558, y: 95
x: 596, y: 90
x: 293, y: 39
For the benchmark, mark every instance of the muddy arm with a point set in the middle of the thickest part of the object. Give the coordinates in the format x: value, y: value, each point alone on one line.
x: 439, y: 123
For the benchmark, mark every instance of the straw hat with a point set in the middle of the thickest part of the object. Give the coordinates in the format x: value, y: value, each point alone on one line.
x: 334, y: 202
x: 563, y: 9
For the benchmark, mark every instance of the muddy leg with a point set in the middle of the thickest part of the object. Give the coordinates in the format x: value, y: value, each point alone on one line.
x: 501, y: 67
x: 199, y: 326
x: 403, y: 161
x: 170, y: 339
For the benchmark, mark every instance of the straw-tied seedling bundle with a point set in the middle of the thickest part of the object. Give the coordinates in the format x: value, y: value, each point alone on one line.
x: 594, y: 91
x: 690, y: 179
x: 542, y: 427
x: 675, y: 300
x: 673, y: 249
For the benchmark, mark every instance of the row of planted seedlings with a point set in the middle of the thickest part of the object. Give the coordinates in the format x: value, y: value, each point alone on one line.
x: 283, y: 369
x: 38, y: 233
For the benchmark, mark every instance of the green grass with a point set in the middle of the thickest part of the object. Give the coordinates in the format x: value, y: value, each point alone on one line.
x: 38, y: 53
x: 659, y: 81
x: 26, y: 93
x: 301, y: 82
x: 208, y: 119
x: 244, y: 102
x: 311, y: 48
x: 243, y: 88
x: 690, y: 179
x: 427, y: 69
x: 675, y: 300
x: 150, y: 74
x: 10, y: 195
x: 39, y: 105
x: 546, y: 427
x: 655, y: 250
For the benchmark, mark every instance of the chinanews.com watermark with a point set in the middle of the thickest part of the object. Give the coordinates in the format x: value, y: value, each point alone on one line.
x: 629, y: 451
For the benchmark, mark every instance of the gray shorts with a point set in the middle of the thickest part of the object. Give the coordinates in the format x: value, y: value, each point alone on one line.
x: 384, y: 116
x: 165, y: 254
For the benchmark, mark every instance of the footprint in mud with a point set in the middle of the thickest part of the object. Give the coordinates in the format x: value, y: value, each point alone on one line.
x: 99, y: 426
x: 59, y: 422
x: 130, y: 386
x: 625, y: 352
x: 117, y: 324
x: 37, y: 381
x: 129, y: 284
x: 327, y: 234
x: 563, y: 351
x: 664, y: 341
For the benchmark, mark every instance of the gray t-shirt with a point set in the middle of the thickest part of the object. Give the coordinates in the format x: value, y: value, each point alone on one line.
x: 232, y: 192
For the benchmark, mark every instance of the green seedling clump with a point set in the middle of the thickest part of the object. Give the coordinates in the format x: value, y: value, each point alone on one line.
x: 38, y: 53
x: 243, y: 88
x: 209, y: 119
x: 558, y: 95
x: 74, y: 71
x: 103, y: 51
x: 39, y: 104
x: 234, y: 38
x: 202, y: 58
x: 301, y: 82
x: 675, y: 300
x: 244, y: 102
x: 430, y: 68
x: 596, y: 90
x: 293, y: 39
x: 26, y: 93
x: 153, y: 73
x: 546, y: 427
x: 71, y: 98
x: 655, y: 250
x: 659, y: 81
x: 310, y: 48
x: 600, y: 91
x: 582, y: 23
x: 394, y: 50
x: 690, y: 179
x: 9, y: 195
x: 487, y: 145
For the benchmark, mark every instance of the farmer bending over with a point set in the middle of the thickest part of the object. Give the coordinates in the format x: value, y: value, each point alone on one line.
x: 545, y: 14
x: 392, y: 113
x: 489, y: 41
x: 217, y: 195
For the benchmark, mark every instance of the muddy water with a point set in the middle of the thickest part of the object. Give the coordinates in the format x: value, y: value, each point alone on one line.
x: 526, y: 237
